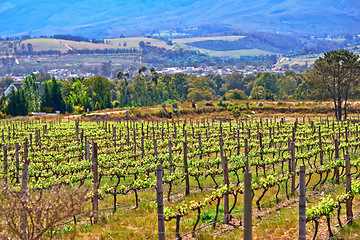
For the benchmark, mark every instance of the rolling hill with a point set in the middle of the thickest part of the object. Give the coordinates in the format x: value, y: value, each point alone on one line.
x: 94, y: 18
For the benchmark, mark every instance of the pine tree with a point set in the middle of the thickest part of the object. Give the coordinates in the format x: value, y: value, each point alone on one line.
x: 56, y: 96
x: 46, y: 99
x: 17, y: 103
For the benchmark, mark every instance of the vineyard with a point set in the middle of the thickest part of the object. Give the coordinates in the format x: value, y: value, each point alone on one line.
x: 178, y: 178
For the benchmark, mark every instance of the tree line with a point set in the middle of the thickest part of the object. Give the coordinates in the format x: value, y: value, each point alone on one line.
x: 335, y: 77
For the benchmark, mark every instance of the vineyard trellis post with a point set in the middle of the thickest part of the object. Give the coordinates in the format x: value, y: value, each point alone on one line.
x: 17, y: 162
x: 96, y: 182
x: 187, y: 182
x: 247, y: 207
x: 226, y: 183
x: 24, y: 189
x: 5, y: 166
x: 302, y: 204
x: 320, y: 147
x: 289, y: 151
x: 170, y: 155
x: 293, y: 167
x: 247, y: 198
x: 349, y: 212
x: 336, y: 170
x: 87, y: 148
x: 160, y: 202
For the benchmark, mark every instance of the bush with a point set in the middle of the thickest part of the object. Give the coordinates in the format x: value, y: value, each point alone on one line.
x: 235, y: 94
x: 170, y: 101
x: 3, y: 116
x: 116, y: 104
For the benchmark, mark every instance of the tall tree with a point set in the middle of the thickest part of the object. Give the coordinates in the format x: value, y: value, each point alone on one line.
x: 338, y: 74
x: 17, y: 103
x: 31, y: 88
x: 56, y: 96
x: 46, y: 101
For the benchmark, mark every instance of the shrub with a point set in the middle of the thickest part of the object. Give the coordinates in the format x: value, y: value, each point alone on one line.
x: 116, y: 104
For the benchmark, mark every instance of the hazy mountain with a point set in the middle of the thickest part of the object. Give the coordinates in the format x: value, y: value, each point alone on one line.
x: 99, y: 18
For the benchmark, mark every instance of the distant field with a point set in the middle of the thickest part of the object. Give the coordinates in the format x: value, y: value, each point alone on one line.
x: 134, y: 42
x: 199, y: 39
x: 236, y: 53
x: 44, y: 44
x: 87, y: 45
x: 302, y: 60
x: 40, y: 44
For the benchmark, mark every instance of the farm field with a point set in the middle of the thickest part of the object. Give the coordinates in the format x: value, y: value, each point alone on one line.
x: 301, y: 60
x: 42, y: 44
x: 114, y: 162
x: 134, y: 42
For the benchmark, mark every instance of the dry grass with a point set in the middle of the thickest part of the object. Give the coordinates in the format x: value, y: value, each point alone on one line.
x: 43, y: 44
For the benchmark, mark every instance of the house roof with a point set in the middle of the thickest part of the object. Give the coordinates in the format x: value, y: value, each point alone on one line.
x: 2, y: 92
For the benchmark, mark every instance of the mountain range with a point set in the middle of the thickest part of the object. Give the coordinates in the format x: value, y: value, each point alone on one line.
x: 107, y: 18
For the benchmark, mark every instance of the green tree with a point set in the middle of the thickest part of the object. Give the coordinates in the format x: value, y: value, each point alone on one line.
x: 199, y: 89
x: 56, y: 96
x: 46, y: 101
x: 268, y: 81
x: 338, y: 74
x: 287, y: 86
x: 232, y: 81
x: 235, y: 94
x: 31, y: 88
x: 17, y: 103
x: 42, y: 76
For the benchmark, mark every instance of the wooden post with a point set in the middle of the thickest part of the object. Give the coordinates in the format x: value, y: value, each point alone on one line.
x: 160, y: 202
x: 246, y: 150
x: 247, y: 207
x: 77, y: 129
x: 96, y: 182
x: 155, y: 148
x: 114, y: 136
x: 187, y: 191
x: 142, y: 147
x: 293, y: 167
x: 170, y: 155
x: 226, y: 196
x: 349, y: 212
x: 87, y: 149
x: 289, y: 151
x: 238, y: 142
x: 200, y: 146
x: 261, y: 147
x: 82, y: 136
x: 24, y: 190
x: 302, y: 204
x: 17, y: 162
x: 320, y: 146
x: 347, y: 140
x: 128, y: 135
x: 134, y: 142
x: 336, y: 170
x: 5, y: 166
